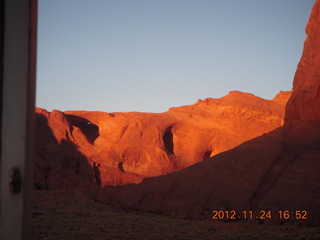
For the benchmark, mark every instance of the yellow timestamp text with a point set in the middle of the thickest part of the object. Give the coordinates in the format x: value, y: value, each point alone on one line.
x: 261, y: 215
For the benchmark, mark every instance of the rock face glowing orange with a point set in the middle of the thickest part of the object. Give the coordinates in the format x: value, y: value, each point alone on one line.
x: 127, y: 147
x: 305, y: 102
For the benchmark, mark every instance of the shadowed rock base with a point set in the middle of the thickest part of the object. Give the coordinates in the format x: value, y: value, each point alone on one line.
x: 275, y: 172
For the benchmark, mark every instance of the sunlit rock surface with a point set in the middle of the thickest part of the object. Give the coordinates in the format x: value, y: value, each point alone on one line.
x: 121, y: 148
x: 305, y: 102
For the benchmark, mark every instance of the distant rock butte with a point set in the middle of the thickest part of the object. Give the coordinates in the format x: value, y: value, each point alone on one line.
x: 277, y: 171
x: 121, y: 148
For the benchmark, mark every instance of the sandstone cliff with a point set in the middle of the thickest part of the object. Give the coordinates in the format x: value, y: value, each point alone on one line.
x: 305, y: 103
x: 277, y: 171
x: 121, y: 148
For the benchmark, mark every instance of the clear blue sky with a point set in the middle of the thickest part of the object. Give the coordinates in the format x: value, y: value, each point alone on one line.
x: 149, y: 55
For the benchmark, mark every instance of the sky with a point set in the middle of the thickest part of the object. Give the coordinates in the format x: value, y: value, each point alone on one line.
x: 150, y: 55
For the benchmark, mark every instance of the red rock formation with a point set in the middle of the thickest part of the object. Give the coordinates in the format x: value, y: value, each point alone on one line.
x: 305, y: 103
x: 277, y: 171
x: 119, y: 148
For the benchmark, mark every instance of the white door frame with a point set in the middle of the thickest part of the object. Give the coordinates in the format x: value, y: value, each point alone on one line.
x: 18, y: 54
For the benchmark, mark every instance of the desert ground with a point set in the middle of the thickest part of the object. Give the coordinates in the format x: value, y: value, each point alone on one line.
x: 62, y: 214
